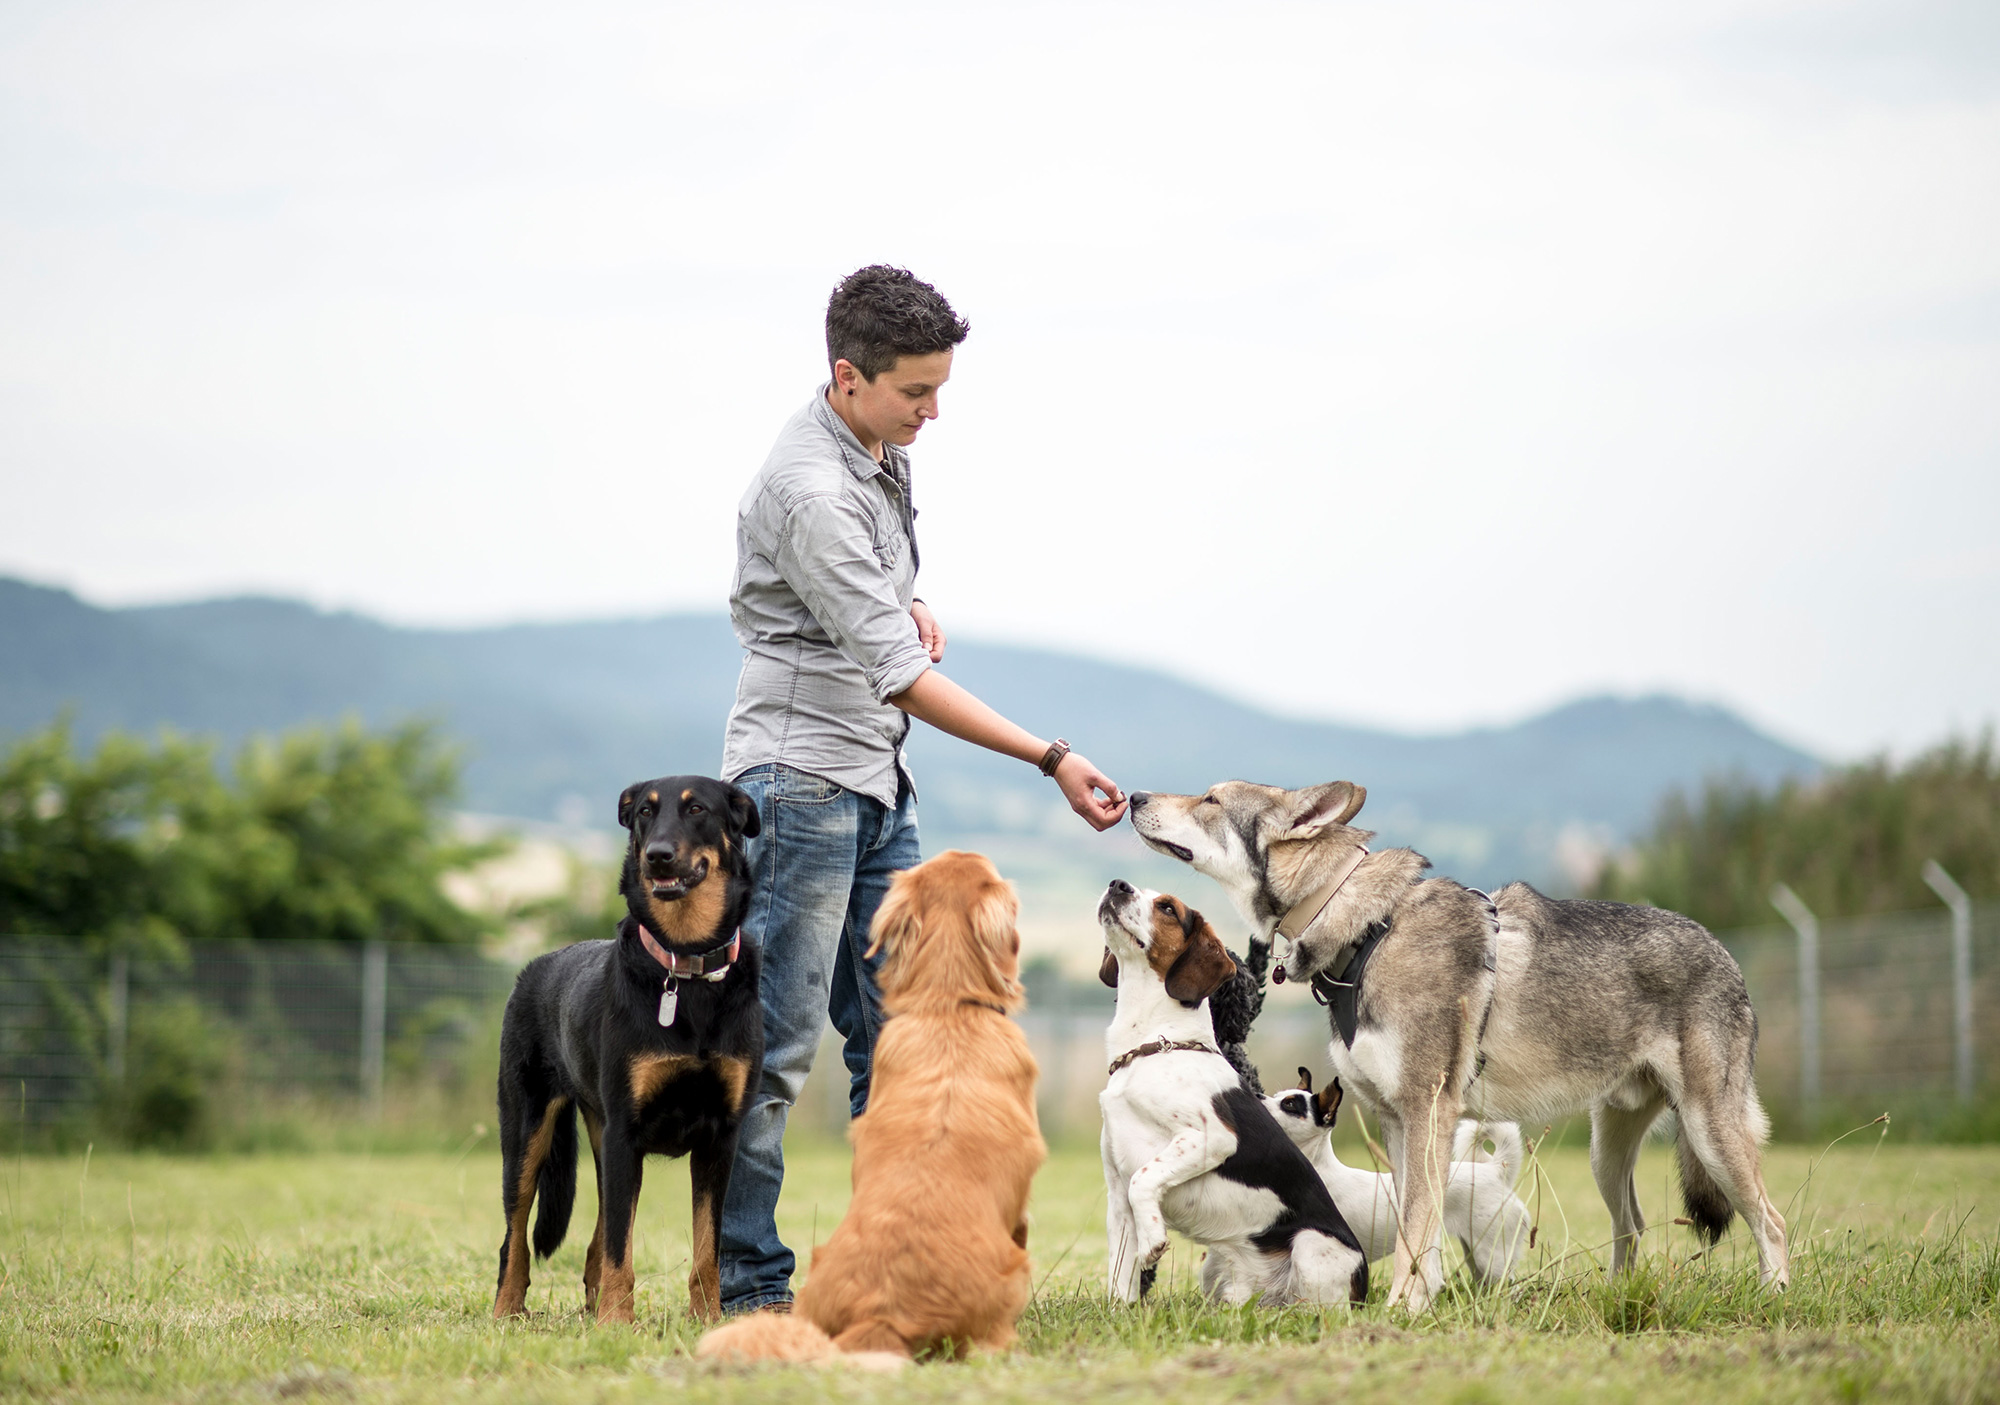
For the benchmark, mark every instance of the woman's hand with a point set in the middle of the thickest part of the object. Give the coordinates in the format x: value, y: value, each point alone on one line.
x: 1080, y: 783
x: 930, y: 633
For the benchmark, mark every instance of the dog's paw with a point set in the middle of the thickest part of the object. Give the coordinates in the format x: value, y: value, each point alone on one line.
x: 1123, y: 1284
x: 1152, y: 1245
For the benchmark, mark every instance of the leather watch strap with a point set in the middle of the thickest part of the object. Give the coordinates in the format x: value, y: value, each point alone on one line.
x: 1053, y: 757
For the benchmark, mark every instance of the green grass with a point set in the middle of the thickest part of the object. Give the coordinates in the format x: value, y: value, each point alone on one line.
x: 350, y: 1276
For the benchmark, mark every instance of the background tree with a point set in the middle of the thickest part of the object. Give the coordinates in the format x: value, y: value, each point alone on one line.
x: 1853, y: 841
x: 80, y: 837
x: 342, y: 835
x: 323, y: 834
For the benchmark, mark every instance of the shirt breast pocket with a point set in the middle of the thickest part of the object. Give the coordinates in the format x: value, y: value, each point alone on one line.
x: 888, y: 547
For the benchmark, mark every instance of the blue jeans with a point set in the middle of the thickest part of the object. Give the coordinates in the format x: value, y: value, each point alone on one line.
x: 819, y: 869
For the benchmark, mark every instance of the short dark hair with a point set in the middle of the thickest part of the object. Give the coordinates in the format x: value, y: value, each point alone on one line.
x: 879, y: 313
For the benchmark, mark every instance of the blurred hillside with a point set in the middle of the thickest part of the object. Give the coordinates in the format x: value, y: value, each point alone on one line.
x: 556, y: 718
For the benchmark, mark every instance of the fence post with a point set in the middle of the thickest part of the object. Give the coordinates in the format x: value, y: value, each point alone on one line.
x: 118, y: 1016
x: 374, y: 1018
x: 1807, y: 926
x: 1961, y: 971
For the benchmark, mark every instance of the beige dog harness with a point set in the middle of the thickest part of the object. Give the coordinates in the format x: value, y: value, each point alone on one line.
x: 1290, y: 927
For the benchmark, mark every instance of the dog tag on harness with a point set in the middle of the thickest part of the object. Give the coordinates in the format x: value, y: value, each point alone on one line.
x: 670, y: 1000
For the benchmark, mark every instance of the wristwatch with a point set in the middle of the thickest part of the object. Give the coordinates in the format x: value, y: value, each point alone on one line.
x: 1053, y: 757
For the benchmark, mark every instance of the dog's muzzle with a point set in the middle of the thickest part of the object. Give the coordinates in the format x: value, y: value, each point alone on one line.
x: 1116, y: 897
x: 666, y: 885
x: 1137, y: 801
x: 1165, y: 846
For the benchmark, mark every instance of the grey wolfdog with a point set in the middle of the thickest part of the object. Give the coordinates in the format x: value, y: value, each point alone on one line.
x: 1517, y: 1007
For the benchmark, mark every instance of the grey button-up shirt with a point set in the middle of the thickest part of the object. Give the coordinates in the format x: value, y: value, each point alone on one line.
x: 826, y: 567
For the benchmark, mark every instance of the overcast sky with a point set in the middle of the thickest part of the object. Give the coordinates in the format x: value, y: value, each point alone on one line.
x: 1417, y: 365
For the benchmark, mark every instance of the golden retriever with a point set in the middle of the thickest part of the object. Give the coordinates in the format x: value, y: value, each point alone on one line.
x: 933, y: 1253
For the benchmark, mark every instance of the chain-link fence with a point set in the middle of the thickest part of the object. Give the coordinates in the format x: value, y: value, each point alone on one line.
x: 283, y: 1017
x: 52, y: 1051
x: 1900, y: 1012
x: 1908, y: 1007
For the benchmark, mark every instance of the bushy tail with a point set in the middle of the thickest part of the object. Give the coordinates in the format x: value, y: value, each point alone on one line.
x: 1506, y: 1139
x: 776, y: 1336
x: 1704, y: 1200
x: 555, y: 1186
x: 766, y: 1336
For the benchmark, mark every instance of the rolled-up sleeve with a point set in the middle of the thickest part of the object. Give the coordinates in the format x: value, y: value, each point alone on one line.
x: 826, y: 553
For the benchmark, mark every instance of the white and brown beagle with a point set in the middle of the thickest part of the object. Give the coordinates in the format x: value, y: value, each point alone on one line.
x: 1186, y: 1145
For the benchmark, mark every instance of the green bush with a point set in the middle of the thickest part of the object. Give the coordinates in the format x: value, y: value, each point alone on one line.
x: 175, y: 1063
x: 323, y: 834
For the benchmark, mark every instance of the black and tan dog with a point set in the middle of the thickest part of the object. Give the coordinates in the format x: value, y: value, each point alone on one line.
x: 656, y: 1036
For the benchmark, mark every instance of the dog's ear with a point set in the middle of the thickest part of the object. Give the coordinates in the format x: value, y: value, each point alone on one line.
x: 898, y: 920
x: 1326, y: 1104
x: 1305, y: 1078
x: 1316, y: 807
x: 1107, y: 969
x: 743, y: 812
x: 1200, y: 970
x: 626, y: 800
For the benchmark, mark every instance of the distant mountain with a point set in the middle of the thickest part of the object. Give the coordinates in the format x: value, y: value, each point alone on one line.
x: 556, y: 718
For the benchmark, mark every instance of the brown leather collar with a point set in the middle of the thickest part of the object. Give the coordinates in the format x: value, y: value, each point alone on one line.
x: 1305, y: 912
x: 710, y: 965
x: 1159, y: 1046
x: 986, y: 1005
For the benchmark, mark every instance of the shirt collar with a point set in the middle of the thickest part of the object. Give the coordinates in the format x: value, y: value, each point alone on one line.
x: 858, y: 462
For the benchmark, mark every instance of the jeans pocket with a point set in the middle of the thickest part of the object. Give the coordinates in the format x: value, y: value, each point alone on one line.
x: 794, y: 787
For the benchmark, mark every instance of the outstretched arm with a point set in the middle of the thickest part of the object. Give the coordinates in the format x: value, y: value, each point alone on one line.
x: 935, y: 699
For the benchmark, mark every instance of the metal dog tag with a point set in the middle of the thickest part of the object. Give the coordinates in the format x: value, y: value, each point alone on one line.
x: 670, y: 1000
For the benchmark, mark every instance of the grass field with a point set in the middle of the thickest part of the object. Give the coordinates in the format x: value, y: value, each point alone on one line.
x: 352, y: 1276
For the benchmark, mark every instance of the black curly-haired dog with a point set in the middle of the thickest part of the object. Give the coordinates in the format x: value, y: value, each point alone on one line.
x: 655, y: 1035
x: 1235, y: 1007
